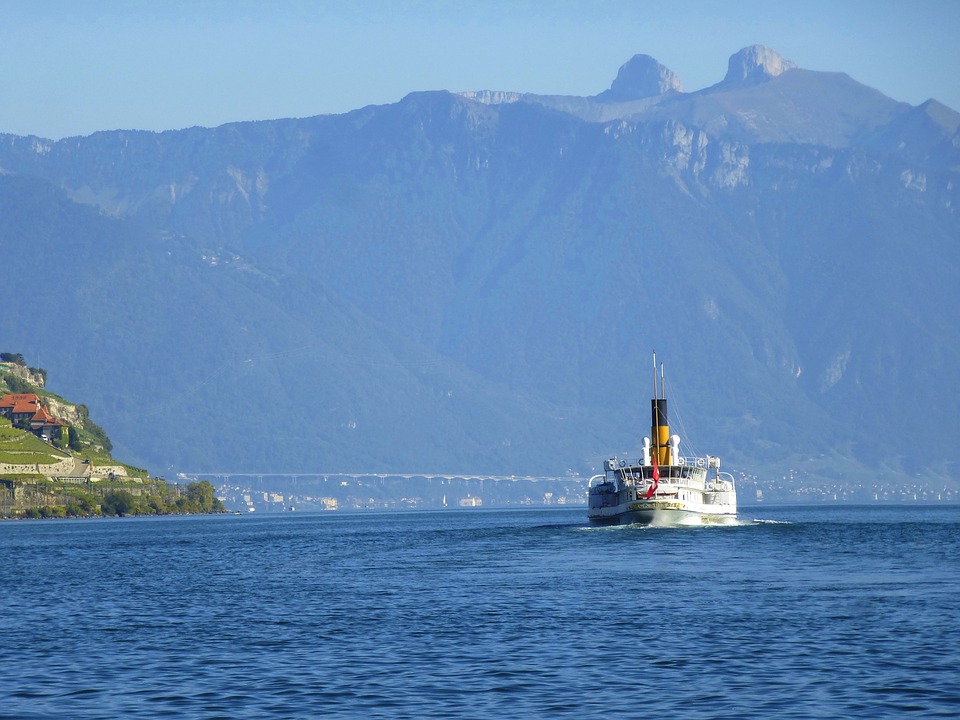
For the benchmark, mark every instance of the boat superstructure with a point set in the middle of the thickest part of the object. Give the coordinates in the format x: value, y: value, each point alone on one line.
x: 663, y: 486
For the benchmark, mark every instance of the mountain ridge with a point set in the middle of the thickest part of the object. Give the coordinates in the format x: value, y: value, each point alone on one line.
x: 449, y: 281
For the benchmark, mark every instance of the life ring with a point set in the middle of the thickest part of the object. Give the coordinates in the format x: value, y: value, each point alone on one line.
x: 699, y: 462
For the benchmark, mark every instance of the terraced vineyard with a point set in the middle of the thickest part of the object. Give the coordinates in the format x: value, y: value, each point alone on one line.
x: 22, y: 448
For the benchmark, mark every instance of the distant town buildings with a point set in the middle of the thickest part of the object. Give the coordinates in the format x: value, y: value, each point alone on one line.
x: 280, y: 493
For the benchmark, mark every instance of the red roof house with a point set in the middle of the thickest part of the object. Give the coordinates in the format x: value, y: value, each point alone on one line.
x: 22, y: 408
x: 19, y: 406
x: 44, y: 424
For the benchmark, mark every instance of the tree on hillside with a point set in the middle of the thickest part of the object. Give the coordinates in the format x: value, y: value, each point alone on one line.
x: 199, y: 497
x: 98, y: 433
x: 118, y: 502
x: 16, y: 385
x: 61, y: 439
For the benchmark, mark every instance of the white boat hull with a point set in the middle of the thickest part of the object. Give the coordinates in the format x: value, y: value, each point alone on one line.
x: 682, y: 496
x: 661, y: 513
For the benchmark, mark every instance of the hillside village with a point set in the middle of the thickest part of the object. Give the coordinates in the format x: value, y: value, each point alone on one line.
x: 66, y: 428
x: 56, y: 462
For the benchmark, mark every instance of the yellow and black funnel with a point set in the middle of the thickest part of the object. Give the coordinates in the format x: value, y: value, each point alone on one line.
x: 660, y: 431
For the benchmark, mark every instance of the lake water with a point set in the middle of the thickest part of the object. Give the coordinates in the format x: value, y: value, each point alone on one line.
x: 796, y: 612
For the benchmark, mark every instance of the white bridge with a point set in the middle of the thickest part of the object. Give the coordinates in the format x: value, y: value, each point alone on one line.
x: 221, y: 477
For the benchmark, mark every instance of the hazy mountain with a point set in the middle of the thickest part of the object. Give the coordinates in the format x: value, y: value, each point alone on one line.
x: 477, y: 281
x: 641, y: 77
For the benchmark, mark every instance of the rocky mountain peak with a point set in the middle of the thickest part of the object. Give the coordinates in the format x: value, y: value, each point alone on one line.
x: 641, y: 77
x: 755, y: 64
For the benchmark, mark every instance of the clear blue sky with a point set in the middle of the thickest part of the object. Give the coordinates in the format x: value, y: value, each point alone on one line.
x: 75, y: 67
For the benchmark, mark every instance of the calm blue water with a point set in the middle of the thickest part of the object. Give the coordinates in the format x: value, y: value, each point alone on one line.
x: 810, y: 612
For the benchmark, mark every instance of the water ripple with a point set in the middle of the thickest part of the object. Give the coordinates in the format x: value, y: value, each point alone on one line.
x: 482, y: 615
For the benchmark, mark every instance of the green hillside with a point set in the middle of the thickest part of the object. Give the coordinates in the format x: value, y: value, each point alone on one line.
x: 22, y: 447
x: 73, y: 474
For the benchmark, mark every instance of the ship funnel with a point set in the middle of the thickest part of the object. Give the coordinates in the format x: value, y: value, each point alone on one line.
x: 660, y: 431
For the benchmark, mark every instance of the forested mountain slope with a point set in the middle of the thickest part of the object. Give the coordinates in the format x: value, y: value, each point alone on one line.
x: 475, y: 282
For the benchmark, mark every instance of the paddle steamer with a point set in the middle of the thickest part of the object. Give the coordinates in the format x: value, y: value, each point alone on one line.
x: 664, y: 486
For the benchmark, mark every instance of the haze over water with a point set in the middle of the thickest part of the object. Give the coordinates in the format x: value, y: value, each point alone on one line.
x: 795, y: 612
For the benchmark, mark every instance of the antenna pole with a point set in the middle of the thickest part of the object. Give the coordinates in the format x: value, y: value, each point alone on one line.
x: 663, y: 389
x: 655, y: 375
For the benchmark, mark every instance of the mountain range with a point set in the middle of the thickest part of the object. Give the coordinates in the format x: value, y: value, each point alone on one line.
x: 476, y: 281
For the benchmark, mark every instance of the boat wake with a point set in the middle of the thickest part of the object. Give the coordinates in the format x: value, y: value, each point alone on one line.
x: 688, y: 522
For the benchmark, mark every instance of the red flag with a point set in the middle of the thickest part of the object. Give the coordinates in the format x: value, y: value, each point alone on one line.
x: 656, y: 478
